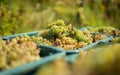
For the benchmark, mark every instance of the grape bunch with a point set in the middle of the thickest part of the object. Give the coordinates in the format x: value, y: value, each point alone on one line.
x: 105, y: 30
x: 68, y: 43
x: 14, y: 53
x: 62, y: 35
x: 97, y: 37
x: 36, y: 39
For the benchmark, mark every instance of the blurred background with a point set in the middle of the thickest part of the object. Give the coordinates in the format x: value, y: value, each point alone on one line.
x: 17, y: 16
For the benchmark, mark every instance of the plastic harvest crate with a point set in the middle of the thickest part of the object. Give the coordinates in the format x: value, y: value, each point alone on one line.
x: 47, y: 55
x: 71, y: 58
x: 67, y: 51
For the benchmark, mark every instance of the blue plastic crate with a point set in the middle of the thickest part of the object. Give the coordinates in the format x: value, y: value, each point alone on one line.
x: 48, y: 54
x: 67, y: 51
x: 71, y: 58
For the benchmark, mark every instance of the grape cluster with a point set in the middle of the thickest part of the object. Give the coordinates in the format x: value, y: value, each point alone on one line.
x: 59, y: 29
x: 55, y: 30
x: 14, y: 53
x: 68, y: 43
x: 59, y: 32
x: 97, y: 37
x: 36, y: 39
x: 105, y: 30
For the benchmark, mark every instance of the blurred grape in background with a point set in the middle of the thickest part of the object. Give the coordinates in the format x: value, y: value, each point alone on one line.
x: 17, y: 16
